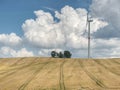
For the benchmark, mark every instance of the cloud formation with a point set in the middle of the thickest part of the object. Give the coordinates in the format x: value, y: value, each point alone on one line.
x: 108, y: 10
x: 10, y: 39
x: 44, y: 34
x: 68, y: 32
x: 9, y: 52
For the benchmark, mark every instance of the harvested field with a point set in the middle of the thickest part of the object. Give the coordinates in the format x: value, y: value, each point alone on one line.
x: 59, y: 74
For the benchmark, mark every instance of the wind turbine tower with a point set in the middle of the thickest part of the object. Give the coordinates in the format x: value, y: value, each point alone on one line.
x: 89, y: 21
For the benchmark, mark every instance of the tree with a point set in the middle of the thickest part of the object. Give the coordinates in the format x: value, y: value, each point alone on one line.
x: 67, y: 54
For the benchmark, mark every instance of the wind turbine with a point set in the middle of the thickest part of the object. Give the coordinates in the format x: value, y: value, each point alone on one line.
x: 88, y: 21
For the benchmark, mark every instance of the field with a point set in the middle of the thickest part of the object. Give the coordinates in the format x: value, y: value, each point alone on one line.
x: 59, y: 74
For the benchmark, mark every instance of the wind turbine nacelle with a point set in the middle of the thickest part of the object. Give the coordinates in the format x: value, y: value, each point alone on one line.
x: 90, y: 20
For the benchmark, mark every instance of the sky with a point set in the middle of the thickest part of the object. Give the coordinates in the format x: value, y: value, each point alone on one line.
x: 35, y: 28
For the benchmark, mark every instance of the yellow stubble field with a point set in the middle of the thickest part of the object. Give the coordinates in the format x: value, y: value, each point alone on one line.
x: 34, y: 73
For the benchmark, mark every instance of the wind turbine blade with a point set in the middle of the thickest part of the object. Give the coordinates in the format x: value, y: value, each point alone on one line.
x: 86, y: 25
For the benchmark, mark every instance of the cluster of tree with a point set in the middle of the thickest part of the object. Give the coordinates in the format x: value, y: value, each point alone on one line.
x: 65, y: 54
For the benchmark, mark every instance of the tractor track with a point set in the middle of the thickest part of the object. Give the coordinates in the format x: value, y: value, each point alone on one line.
x: 13, y: 71
x: 39, y: 66
x: 115, y: 61
x: 21, y: 67
x: 17, y: 69
x: 16, y: 62
x: 108, y: 69
x: 76, y: 61
x: 23, y: 86
x: 98, y: 82
x: 11, y: 66
x: 61, y: 80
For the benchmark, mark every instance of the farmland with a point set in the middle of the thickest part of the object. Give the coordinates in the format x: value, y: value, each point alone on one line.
x: 34, y: 73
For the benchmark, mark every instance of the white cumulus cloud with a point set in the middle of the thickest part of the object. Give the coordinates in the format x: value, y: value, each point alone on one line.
x: 9, y: 52
x: 10, y: 39
x: 45, y: 32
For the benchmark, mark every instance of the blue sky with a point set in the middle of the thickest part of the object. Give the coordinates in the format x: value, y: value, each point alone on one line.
x: 29, y: 27
x: 13, y: 13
